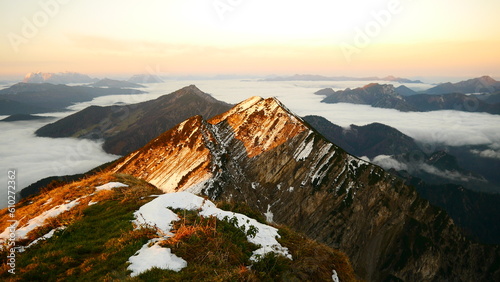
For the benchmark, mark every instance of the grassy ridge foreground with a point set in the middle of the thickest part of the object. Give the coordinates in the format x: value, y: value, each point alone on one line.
x: 99, y: 239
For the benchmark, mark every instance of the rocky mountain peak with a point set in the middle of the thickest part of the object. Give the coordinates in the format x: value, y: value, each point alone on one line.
x: 488, y: 80
x: 57, y: 78
x: 381, y: 88
x: 189, y: 154
x: 177, y: 159
x: 191, y: 90
x: 261, y: 124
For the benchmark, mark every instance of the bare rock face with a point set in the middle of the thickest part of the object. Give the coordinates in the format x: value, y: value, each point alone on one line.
x: 184, y: 163
x: 262, y: 154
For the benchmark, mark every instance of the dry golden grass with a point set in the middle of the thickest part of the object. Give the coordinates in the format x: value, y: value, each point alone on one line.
x: 48, y: 198
x: 84, y: 190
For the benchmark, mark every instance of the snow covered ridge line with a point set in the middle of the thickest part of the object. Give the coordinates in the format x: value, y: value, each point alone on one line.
x: 158, y: 214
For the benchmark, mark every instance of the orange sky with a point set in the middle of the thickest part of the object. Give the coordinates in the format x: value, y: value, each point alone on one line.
x: 400, y: 37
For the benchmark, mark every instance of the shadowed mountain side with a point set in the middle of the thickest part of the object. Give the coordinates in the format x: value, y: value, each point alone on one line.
x: 484, y: 84
x: 404, y: 99
x: 370, y: 140
x: 263, y: 155
x: 452, y: 101
x: 127, y: 128
x: 405, y: 91
x: 32, y: 98
x: 21, y: 117
x: 10, y: 107
x: 374, y: 94
x: 377, y: 139
x: 477, y: 213
x: 106, y: 82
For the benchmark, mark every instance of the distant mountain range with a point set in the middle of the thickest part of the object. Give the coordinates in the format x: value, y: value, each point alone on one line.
x: 112, y: 83
x: 127, y: 128
x: 402, y: 99
x: 484, y: 84
x: 374, y: 94
x: 57, y: 78
x: 145, y: 78
x: 34, y: 98
x: 311, y: 77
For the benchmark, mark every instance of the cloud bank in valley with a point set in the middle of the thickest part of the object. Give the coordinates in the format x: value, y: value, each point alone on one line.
x: 36, y: 158
x: 388, y: 162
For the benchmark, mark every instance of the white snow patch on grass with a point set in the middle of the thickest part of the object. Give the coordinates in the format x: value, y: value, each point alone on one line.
x: 154, y: 256
x: 46, y: 236
x: 40, y: 220
x: 48, y: 202
x: 109, y: 186
x: 157, y: 213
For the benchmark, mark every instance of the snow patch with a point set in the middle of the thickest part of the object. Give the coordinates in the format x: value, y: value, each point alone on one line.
x: 335, y: 277
x: 304, y: 150
x: 157, y: 213
x: 48, y: 202
x: 109, y: 186
x: 46, y: 236
x: 40, y: 220
x: 154, y: 256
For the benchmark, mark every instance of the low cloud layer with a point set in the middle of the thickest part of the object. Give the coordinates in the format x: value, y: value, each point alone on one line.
x: 35, y: 158
x: 452, y: 128
x: 388, y: 162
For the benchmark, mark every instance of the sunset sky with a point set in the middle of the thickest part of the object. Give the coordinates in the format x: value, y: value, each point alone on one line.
x: 182, y: 37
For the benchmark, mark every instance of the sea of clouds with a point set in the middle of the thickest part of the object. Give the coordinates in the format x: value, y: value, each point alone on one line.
x: 36, y: 158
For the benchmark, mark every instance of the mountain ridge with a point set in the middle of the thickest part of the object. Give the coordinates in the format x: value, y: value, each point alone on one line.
x: 310, y: 77
x: 34, y: 98
x: 129, y: 127
x: 313, y: 186
x: 57, y: 78
x: 484, y: 84
x: 93, y: 224
x: 387, y: 96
